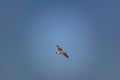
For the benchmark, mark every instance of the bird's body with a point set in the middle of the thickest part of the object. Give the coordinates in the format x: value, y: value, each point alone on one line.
x: 60, y: 51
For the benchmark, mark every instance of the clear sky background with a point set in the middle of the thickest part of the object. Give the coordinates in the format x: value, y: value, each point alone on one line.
x: 88, y: 30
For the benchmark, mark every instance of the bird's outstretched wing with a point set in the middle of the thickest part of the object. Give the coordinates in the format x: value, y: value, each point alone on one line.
x: 65, y: 54
x: 59, y: 48
x: 60, y: 51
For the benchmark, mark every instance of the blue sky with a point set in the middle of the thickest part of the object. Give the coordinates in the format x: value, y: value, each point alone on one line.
x: 87, y: 30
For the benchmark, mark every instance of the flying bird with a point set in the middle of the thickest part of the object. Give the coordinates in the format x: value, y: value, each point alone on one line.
x: 60, y: 51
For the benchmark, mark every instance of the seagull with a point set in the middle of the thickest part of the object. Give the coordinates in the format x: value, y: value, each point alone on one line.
x: 60, y: 51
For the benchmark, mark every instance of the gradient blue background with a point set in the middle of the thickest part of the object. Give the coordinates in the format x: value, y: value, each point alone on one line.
x: 88, y: 30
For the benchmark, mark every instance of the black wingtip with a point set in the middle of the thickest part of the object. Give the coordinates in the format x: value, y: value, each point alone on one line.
x: 57, y: 45
x: 67, y: 56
